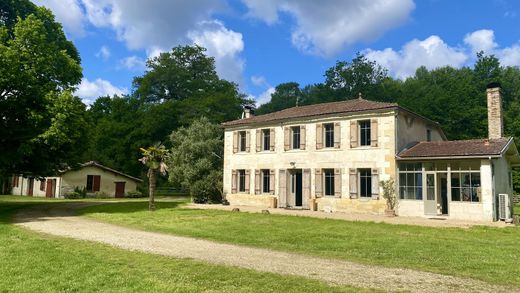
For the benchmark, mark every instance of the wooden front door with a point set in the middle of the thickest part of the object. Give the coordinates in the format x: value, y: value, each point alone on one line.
x: 49, y: 190
x: 30, y: 187
x: 120, y: 189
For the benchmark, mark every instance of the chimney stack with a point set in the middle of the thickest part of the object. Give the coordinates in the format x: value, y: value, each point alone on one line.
x: 248, y: 112
x: 495, y: 116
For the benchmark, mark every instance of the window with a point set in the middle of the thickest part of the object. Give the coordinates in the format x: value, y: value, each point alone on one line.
x: 364, y: 132
x: 295, y: 134
x: 329, y: 135
x: 428, y: 135
x: 266, y: 139
x: 410, y: 181
x: 465, y: 186
x: 242, y: 140
x: 329, y: 181
x: 266, y: 181
x: 365, y: 183
x: 93, y: 183
x: 241, y: 180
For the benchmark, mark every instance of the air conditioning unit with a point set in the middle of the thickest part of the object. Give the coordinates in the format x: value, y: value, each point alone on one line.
x: 504, y: 207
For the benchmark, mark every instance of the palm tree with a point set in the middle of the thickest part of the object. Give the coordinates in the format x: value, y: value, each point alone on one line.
x: 154, y: 158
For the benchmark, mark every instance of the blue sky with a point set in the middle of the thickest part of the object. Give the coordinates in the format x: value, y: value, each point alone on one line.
x: 262, y: 43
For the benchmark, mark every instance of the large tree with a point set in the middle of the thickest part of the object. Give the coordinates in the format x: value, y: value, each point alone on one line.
x: 196, y: 160
x: 39, y: 118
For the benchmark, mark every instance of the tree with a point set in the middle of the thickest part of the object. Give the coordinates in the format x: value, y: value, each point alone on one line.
x: 197, y: 159
x: 361, y: 75
x: 39, y: 68
x: 154, y: 158
x: 285, y: 95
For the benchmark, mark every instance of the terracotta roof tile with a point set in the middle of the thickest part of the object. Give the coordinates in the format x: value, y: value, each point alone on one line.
x: 456, y: 148
x: 356, y: 105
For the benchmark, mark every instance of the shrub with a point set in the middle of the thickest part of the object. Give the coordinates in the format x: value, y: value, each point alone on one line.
x: 73, y: 195
x: 81, y: 191
x: 134, y: 194
x: 389, y: 193
x: 101, y: 194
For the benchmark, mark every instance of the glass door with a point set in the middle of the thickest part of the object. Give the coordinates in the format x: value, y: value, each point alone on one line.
x: 430, y: 201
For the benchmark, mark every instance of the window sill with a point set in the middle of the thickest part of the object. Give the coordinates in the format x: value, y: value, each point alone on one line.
x: 364, y: 147
x: 265, y: 152
x: 295, y: 150
x: 329, y: 149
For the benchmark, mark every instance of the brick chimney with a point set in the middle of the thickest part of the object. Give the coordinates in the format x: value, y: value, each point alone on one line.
x: 495, y: 116
x: 248, y: 112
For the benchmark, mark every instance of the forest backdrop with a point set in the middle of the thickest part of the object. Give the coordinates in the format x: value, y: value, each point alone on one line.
x: 44, y: 127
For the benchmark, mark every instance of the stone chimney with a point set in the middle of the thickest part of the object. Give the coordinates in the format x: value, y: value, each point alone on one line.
x: 248, y: 112
x: 495, y: 115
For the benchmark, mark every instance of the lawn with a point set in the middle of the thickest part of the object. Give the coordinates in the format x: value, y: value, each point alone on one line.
x: 489, y: 254
x: 33, y: 262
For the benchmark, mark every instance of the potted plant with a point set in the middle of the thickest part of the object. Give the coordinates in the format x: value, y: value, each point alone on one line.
x: 390, y: 196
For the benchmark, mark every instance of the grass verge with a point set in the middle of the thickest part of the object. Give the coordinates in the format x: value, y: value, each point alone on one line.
x: 33, y: 262
x: 489, y: 254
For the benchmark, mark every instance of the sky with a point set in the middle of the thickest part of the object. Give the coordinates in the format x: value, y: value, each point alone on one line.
x: 259, y: 44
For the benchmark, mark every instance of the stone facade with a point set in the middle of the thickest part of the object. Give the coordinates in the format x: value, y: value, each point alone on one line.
x: 391, y: 129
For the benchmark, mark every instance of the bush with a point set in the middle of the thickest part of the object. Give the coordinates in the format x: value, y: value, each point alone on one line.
x: 134, y: 194
x: 101, y: 194
x: 73, y: 195
x: 208, y: 189
x: 81, y: 191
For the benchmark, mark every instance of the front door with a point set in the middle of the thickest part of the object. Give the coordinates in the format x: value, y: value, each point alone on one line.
x: 49, y: 189
x: 430, y: 201
x: 296, y: 188
x: 120, y: 189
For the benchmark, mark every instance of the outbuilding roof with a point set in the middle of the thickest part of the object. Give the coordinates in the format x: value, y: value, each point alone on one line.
x: 96, y: 164
x: 456, y: 148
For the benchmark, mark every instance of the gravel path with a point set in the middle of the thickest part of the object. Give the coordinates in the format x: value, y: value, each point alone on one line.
x: 60, y: 220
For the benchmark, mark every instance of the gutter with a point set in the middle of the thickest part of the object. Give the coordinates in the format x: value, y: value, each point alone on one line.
x: 448, y: 157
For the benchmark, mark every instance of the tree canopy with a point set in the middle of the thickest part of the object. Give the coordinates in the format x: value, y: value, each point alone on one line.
x: 40, y: 120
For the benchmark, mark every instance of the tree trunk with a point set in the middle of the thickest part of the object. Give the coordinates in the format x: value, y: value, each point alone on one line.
x: 151, y: 189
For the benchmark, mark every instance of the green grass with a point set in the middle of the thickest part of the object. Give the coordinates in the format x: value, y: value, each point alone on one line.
x: 32, y: 262
x: 489, y: 254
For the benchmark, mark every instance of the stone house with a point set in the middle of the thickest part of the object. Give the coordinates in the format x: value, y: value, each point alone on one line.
x: 332, y: 157
x: 92, y: 176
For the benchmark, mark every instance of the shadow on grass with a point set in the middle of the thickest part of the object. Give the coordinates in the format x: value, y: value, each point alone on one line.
x: 25, y: 209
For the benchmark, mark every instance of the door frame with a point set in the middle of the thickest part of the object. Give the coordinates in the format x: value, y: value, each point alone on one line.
x: 293, y: 188
x: 440, y: 200
x: 115, y: 189
x: 430, y: 206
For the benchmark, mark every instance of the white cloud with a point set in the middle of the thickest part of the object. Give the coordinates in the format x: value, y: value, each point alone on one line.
x: 223, y: 44
x: 481, y: 40
x: 510, y: 56
x: 259, y: 80
x: 67, y: 12
x: 484, y: 40
x: 263, y: 97
x: 324, y: 28
x: 133, y: 63
x: 103, y: 53
x: 89, y: 91
x: 142, y: 24
x: 431, y: 52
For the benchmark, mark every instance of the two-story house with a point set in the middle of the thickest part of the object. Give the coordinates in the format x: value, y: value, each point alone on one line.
x: 332, y: 157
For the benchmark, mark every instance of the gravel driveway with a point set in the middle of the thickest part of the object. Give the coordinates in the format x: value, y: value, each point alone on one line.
x: 60, y: 220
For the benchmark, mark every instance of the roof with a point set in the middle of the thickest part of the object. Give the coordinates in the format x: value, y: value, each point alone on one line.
x: 456, y: 148
x: 96, y: 164
x: 349, y: 106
